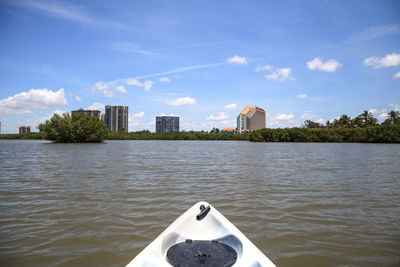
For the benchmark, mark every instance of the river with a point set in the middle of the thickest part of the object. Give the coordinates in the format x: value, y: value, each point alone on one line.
x: 302, y: 204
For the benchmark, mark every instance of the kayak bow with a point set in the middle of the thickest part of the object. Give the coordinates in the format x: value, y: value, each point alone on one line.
x: 201, y: 237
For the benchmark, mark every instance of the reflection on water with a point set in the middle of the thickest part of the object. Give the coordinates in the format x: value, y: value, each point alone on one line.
x: 100, y: 204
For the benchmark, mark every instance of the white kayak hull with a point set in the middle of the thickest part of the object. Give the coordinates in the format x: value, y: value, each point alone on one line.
x: 213, y: 226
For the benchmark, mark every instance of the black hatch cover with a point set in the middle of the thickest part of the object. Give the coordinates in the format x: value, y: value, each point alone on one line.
x: 201, y: 253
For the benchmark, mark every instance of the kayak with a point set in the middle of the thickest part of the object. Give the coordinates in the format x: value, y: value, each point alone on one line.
x: 201, y: 237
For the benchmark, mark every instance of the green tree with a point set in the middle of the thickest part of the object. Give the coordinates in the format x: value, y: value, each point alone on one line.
x: 78, y: 128
x: 367, y: 118
x: 344, y: 121
x: 394, y: 117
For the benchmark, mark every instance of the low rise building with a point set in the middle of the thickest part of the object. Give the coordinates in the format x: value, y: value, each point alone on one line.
x: 229, y: 130
x: 96, y: 113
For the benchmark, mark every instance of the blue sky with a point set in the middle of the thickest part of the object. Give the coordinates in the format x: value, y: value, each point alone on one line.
x: 201, y: 60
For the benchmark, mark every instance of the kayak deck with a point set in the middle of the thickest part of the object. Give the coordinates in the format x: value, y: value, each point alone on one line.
x: 201, y: 236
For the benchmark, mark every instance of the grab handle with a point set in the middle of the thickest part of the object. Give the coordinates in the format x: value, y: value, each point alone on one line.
x: 203, y: 212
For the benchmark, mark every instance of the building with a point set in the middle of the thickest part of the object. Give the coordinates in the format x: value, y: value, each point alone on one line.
x: 229, y: 130
x: 24, y: 129
x: 116, y: 118
x: 96, y: 113
x: 167, y: 124
x: 250, y: 119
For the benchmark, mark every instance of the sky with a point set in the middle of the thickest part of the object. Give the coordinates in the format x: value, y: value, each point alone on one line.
x: 203, y: 61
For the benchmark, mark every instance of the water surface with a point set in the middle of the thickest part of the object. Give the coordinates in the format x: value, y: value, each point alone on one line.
x: 302, y: 204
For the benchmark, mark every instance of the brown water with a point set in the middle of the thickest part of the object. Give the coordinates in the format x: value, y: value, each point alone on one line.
x: 100, y: 204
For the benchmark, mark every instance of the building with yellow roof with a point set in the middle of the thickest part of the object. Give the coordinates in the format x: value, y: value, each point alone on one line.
x: 228, y: 130
x: 250, y: 119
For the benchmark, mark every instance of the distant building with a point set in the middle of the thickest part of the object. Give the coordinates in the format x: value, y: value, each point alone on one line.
x: 96, y: 113
x: 167, y: 124
x: 24, y: 129
x: 250, y: 119
x: 229, y: 130
x: 116, y: 118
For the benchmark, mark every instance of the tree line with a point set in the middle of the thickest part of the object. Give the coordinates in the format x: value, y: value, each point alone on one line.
x: 81, y: 128
x: 362, y: 129
x: 365, y: 119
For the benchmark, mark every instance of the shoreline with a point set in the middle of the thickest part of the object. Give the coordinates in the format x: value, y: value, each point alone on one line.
x: 373, y: 134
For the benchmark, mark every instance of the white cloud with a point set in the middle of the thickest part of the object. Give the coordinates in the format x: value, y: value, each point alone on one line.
x: 184, y: 101
x: 263, y: 68
x: 138, y: 115
x: 283, y: 117
x: 77, y: 98
x: 121, y: 89
x: 331, y: 65
x: 102, y: 88
x: 96, y: 106
x: 380, y: 114
x: 395, y: 107
x: 34, y: 98
x: 282, y: 121
x: 135, y: 121
x: 397, y: 75
x: 237, y: 60
x: 281, y: 74
x: 302, y: 96
x: 220, y: 116
x: 390, y: 60
x: 312, y: 117
x: 146, y: 84
x: 231, y: 106
x: 164, y: 114
x: 164, y: 80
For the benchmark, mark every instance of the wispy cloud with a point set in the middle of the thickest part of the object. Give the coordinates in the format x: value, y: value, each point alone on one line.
x: 331, y: 65
x: 188, y: 46
x: 184, y: 101
x: 108, y: 89
x: 374, y: 33
x: 231, y: 106
x: 390, y: 60
x: 68, y: 11
x: 120, y: 89
x: 179, y: 70
x: 397, y: 75
x: 128, y: 47
x: 237, y: 60
x: 302, y: 96
x: 263, y: 68
x: 164, y: 80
